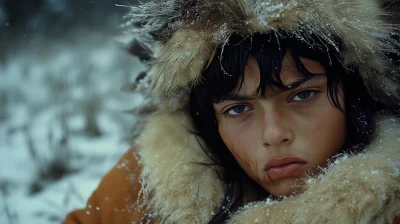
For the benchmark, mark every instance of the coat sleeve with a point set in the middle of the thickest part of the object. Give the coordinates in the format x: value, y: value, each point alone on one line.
x: 116, y: 198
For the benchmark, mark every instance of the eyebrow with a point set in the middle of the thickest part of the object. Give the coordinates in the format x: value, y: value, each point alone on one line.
x: 293, y: 85
x: 301, y: 81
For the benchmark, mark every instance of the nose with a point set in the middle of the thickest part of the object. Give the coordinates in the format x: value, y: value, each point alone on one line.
x: 276, y: 128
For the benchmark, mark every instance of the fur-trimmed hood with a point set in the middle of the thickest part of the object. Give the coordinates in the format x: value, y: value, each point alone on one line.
x: 181, y: 36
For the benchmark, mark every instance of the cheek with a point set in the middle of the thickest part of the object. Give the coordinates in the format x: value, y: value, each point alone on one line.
x: 242, y: 144
x: 326, y: 134
x: 236, y: 141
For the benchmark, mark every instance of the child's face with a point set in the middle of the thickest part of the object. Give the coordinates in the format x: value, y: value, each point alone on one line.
x: 277, y: 139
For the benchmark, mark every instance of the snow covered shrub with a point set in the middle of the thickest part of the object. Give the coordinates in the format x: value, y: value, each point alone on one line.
x: 56, y: 165
x: 3, y: 105
x: 62, y: 120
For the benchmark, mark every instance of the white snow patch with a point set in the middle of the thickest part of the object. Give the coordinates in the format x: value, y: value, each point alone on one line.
x: 49, y: 87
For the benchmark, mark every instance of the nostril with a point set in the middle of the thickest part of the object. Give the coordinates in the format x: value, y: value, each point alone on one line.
x: 285, y: 140
x: 275, y: 134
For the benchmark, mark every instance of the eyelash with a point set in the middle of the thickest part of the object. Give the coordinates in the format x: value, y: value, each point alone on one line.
x: 226, y: 112
x: 314, y: 92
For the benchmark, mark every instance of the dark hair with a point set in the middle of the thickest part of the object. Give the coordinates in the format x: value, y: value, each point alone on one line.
x: 226, y: 72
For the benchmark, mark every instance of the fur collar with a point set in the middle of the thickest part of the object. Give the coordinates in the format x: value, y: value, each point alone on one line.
x: 363, y: 188
x: 182, y: 35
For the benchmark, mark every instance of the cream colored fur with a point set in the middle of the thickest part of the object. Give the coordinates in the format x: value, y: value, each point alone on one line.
x: 188, y: 52
x: 190, y: 30
x: 364, y: 188
x: 178, y: 189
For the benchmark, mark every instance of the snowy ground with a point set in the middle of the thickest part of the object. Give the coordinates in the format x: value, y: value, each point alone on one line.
x: 62, y: 125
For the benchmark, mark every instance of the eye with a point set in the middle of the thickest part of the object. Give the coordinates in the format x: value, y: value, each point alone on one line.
x: 304, y: 95
x: 237, y: 110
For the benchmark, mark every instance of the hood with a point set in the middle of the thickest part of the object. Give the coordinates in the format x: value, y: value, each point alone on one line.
x: 181, y: 35
x: 177, y: 39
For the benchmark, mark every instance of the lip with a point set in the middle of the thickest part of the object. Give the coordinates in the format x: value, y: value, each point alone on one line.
x: 284, y: 166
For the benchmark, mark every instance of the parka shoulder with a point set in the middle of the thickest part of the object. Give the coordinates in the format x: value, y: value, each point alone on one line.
x: 116, y: 200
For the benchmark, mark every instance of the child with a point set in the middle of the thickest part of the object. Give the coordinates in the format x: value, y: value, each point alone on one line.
x: 269, y: 112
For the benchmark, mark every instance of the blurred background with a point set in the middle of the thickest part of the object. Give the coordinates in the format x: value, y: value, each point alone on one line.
x: 62, y: 112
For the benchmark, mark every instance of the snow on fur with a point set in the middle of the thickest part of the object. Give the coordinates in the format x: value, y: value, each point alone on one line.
x: 176, y: 185
x: 187, y: 31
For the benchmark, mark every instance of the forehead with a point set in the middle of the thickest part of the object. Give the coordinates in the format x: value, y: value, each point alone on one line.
x: 288, y: 73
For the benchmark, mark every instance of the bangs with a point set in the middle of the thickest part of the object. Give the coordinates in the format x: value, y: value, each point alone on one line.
x: 225, y: 75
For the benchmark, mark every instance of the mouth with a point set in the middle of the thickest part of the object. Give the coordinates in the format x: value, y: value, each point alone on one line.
x: 284, y: 166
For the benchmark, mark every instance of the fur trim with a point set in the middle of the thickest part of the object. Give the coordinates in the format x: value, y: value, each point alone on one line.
x: 186, y: 53
x: 176, y: 185
x: 187, y: 31
x: 355, y: 189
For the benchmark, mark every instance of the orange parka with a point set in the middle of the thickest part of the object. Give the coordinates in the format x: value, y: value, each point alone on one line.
x: 115, y: 199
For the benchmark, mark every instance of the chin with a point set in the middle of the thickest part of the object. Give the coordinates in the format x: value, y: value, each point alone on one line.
x: 285, y: 187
